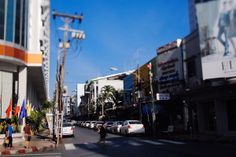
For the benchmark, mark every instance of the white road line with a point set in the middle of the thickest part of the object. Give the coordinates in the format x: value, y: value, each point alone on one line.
x: 172, y: 142
x: 90, y: 145
x: 152, y: 142
x: 69, y: 146
x: 134, y: 143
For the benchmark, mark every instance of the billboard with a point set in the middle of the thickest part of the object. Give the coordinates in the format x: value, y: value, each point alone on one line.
x: 217, y: 34
x: 170, y: 67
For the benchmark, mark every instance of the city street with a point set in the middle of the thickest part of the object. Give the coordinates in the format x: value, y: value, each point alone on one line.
x: 84, y: 144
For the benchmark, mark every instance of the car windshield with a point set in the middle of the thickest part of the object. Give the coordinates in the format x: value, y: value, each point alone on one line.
x: 134, y: 122
x: 119, y: 123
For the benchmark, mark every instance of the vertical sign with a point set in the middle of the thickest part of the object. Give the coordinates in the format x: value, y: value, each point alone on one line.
x: 170, y: 67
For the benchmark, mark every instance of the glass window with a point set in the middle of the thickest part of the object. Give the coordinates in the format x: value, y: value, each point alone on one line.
x: 17, y: 21
x: 23, y: 26
x: 10, y: 18
x: 26, y: 22
x: 2, y: 18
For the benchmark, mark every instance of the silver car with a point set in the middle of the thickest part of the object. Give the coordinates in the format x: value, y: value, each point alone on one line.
x: 68, y: 129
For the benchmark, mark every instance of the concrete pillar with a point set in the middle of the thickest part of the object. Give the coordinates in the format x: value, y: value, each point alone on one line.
x: 221, y: 117
x: 22, y: 88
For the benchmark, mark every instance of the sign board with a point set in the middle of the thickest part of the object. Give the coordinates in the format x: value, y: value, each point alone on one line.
x: 170, y: 67
x: 217, y: 33
x: 163, y: 96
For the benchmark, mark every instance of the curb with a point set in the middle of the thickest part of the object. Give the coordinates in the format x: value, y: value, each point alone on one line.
x: 27, y: 150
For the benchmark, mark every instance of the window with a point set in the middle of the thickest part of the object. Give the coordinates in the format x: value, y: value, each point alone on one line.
x: 17, y: 21
x: 2, y: 18
x: 10, y: 20
x: 23, y: 26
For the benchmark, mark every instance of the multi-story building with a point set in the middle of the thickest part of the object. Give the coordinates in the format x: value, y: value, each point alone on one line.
x: 93, y: 89
x: 210, y: 68
x: 24, y: 52
x: 79, y: 94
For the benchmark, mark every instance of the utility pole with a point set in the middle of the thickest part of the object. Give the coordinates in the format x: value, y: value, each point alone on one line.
x: 139, y: 94
x: 152, y: 100
x: 66, y: 18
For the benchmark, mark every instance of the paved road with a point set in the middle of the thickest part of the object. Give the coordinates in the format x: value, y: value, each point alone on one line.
x: 84, y: 144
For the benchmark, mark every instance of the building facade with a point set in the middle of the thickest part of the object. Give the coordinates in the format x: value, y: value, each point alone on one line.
x: 24, y: 52
x: 209, y: 61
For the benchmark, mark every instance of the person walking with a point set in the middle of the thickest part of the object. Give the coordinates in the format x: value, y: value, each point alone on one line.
x: 9, y: 134
x: 27, y: 131
x: 103, y: 133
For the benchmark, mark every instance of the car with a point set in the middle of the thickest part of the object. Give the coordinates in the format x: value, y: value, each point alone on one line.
x: 132, y: 127
x: 73, y: 122
x: 108, y: 125
x: 87, y: 123
x: 115, y: 128
x: 98, y: 124
x: 92, y: 124
x: 68, y: 129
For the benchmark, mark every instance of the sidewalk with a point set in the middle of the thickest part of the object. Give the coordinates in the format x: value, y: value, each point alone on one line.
x: 39, y: 142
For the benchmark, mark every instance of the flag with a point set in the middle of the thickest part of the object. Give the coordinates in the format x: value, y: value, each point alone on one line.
x: 22, y: 110
x: 9, y: 109
x: 28, y: 109
x: 17, y: 109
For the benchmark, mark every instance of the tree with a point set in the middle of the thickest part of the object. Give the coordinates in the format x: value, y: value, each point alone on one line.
x: 107, y: 98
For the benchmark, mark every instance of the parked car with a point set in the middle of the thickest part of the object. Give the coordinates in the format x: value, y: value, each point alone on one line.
x: 87, y: 123
x: 132, y: 127
x: 115, y: 128
x: 108, y: 125
x: 98, y: 124
x: 68, y: 129
x: 92, y: 124
x: 73, y: 122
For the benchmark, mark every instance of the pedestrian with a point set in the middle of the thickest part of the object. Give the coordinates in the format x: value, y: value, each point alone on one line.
x: 9, y: 134
x: 27, y: 131
x: 102, y: 133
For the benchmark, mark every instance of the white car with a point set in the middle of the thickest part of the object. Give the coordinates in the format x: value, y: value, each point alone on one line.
x: 68, y: 129
x: 92, y: 124
x: 132, y: 127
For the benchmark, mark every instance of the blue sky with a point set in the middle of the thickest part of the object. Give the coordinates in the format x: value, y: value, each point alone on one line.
x: 119, y: 33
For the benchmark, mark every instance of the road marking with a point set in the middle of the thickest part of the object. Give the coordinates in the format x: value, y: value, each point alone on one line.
x: 69, y: 146
x: 151, y: 142
x: 172, y: 142
x: 90, y: 145
x: 134, y: 143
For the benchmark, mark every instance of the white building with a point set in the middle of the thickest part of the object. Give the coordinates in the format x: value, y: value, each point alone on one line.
x: 94, y: 86
x: 24, y: 52
x: 80, y: 92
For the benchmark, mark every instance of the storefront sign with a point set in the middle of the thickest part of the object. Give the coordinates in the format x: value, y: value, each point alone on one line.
x: 163, y: 96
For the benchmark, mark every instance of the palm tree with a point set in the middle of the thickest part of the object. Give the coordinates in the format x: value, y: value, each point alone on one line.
x: 107, y: 96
